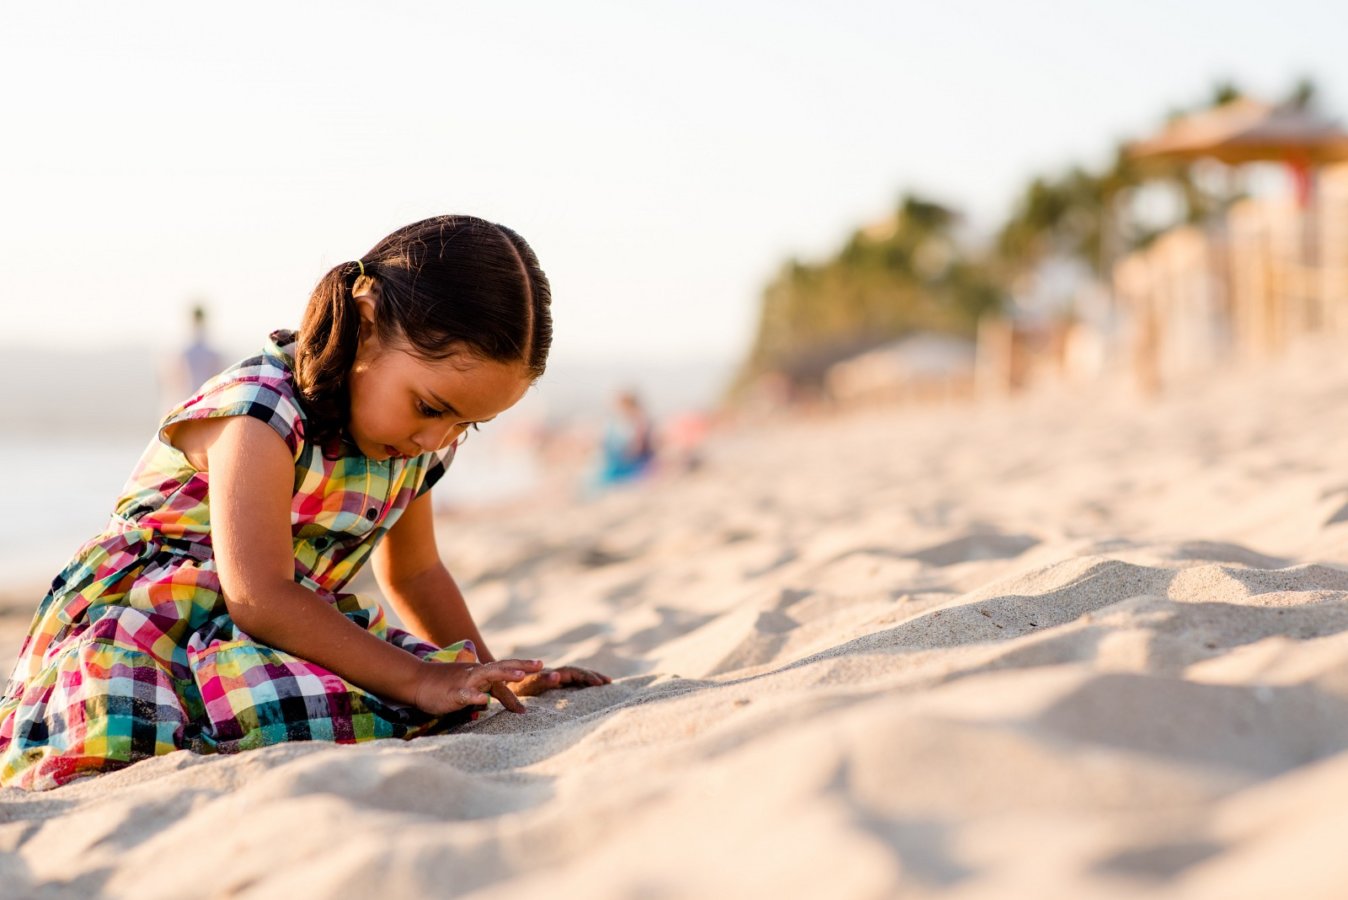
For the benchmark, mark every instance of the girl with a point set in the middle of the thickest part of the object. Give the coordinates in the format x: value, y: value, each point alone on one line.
x: 210, y: 614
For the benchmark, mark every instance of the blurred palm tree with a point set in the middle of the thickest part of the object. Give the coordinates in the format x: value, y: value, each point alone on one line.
x: 905, y: 273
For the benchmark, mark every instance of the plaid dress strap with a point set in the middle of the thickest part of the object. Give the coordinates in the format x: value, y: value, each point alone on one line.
x: 260, y: 387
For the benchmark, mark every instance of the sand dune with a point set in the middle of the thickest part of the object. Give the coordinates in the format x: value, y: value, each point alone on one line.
x: 1070, y: 647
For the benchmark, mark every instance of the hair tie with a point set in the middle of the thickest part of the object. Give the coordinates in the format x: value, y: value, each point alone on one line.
x: 362, y: 268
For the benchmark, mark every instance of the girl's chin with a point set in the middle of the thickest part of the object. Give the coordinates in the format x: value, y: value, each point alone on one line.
x: 378, y: 451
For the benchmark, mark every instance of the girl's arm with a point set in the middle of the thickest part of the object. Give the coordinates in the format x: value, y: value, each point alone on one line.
x: 407, y: 564
x: 415, y: 580
x: 251, y: 479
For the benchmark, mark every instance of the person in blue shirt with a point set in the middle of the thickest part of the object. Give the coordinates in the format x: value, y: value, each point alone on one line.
x: 628, y: 447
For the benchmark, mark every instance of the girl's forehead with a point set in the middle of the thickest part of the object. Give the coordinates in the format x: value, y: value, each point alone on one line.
x: 476, y: 388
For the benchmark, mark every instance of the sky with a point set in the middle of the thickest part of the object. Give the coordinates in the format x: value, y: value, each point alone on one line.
x: 663, y: 158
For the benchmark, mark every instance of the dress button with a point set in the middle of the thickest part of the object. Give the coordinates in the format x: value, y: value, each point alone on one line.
x: 321, y: 544
x: 371, y: 513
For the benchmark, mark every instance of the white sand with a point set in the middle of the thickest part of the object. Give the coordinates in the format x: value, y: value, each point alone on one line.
x: 1068, y: 647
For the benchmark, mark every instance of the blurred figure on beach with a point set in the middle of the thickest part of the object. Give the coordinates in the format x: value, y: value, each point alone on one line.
x: 192, y: 366
x: 627, y: 449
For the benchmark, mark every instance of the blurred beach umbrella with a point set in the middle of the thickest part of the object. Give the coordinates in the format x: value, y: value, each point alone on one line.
x: 1247, y: 131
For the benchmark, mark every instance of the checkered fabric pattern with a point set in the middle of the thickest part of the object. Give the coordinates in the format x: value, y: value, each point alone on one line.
x: 132, y: 652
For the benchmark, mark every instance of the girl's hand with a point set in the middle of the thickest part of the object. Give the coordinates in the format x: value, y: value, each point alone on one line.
x: 446, y: 687
x: 566, y: 676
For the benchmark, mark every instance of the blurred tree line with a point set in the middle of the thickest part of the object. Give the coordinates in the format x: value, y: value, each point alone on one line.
x: 908, y: 273
x: 911, y: 272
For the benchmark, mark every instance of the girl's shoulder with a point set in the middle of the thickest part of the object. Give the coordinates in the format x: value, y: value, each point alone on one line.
x: 262, y: 386
x: 273, y: 365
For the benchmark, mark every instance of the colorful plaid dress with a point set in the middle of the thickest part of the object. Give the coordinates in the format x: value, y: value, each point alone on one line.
x: 132, y: 653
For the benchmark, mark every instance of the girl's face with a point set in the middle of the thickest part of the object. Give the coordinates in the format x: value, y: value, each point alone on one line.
x: 402, y: 405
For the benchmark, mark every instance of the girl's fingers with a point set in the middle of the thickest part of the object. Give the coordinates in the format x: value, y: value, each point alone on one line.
x: 528, y: 665
x: 506, y: 670
x: 471, y: 697
x: 492, y: 679
x: 588, y: 676
x: 507, y: 697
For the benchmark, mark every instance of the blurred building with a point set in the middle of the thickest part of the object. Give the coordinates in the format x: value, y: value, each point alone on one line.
x: 920, y: 367
x: 1248, y: 283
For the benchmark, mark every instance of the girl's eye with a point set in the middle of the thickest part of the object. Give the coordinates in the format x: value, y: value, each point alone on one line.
x: 427, y: 411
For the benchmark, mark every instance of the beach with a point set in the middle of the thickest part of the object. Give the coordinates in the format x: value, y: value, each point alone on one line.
x: 1070, y: 644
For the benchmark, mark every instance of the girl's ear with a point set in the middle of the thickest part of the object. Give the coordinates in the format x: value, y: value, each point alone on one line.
x: 365, y: 305
x: 364, y: 301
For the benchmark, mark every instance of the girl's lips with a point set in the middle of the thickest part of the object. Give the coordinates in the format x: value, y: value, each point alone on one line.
x: 394, y: 452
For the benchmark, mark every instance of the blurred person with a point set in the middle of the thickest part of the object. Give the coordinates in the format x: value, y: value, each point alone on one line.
x: 200, y: 360
x: 627, y: 449
x: 211, y: 614
x: 193, y: 365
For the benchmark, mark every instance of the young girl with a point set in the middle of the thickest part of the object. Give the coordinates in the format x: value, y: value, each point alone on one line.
x: 210, y: 614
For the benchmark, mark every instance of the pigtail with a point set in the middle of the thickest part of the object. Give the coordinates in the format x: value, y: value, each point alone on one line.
x: 326, y: 351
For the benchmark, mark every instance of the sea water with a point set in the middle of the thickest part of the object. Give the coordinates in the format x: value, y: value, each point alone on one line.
x: 59, y: 491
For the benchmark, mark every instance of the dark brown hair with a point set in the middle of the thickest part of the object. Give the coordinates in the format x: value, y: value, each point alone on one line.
x: 444, y: 285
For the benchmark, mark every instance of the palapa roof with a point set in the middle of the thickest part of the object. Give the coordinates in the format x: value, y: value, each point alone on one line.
x: 1246, y: 130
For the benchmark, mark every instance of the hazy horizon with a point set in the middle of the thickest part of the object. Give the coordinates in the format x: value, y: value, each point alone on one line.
x: 119, y: 391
